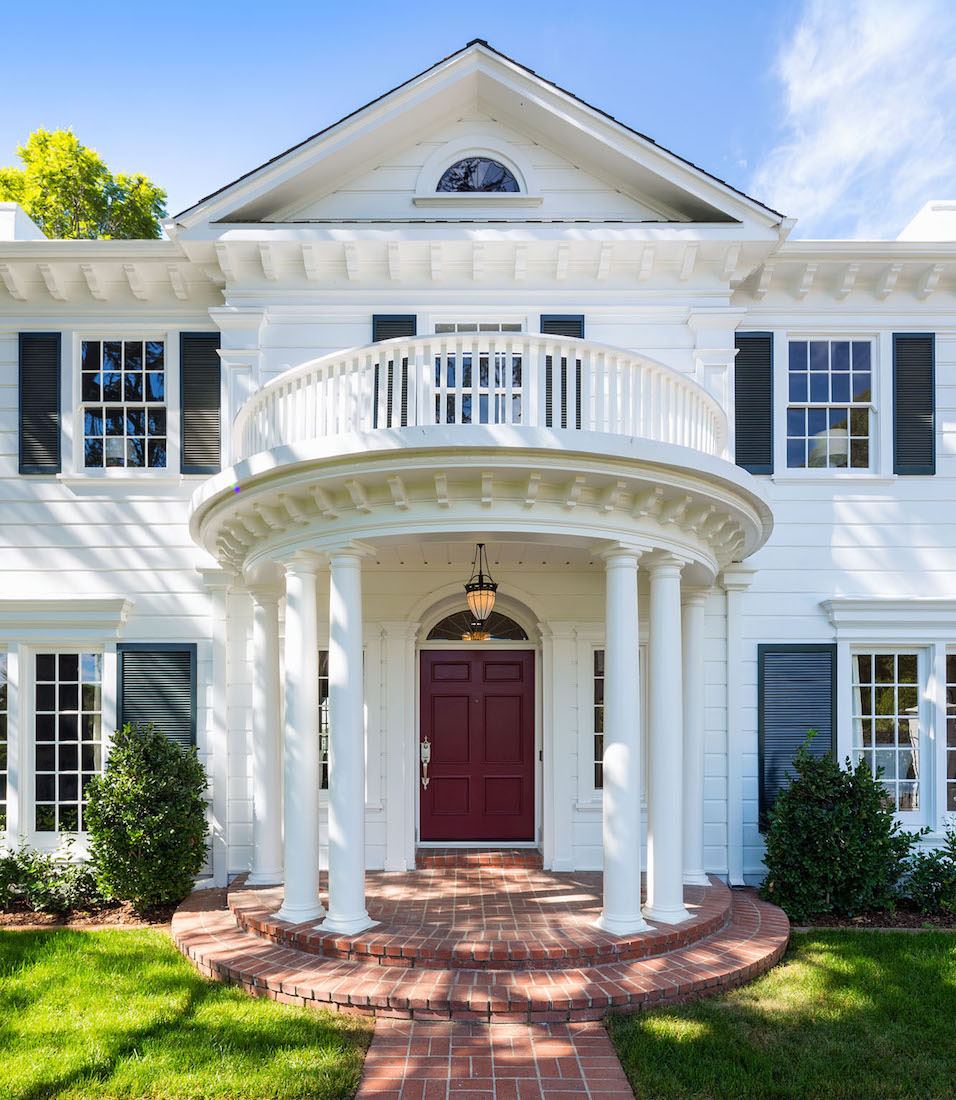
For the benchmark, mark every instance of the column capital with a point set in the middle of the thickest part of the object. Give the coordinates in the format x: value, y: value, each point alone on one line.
x: 665, y: 565
x: 302, y: 561
x: 398, y: 629
x: 737, y: 578
x: 554, y: 628
x: 692, y: 597
x: 265, y: 595
x: 349, y: 551
x: 218, y: 580
x: 621, y: 552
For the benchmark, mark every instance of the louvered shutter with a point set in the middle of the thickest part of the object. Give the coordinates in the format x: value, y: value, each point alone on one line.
x: 199, y: 389
x: 39, y: 402
x: 157, y: 683
x: 796, y: 693
x: 568, y: 382
x: 389, y: 326
x: 914, y: 403
x: 753, y: 401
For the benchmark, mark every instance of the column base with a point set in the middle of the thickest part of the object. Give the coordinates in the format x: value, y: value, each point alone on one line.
x: 620, y: 926
x: 301, y: 914
x: 347, y: 926
x: 673, y: 915
x: 265, y: 878
x: 696, y: 878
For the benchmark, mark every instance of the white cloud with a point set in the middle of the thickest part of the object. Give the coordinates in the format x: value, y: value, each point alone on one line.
x: 869, y: 121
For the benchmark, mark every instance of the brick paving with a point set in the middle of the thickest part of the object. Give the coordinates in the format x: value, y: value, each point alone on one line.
x: 478, y: 857
x: 749, y: 943
x: 412, y: 1060
x: 484, y: 917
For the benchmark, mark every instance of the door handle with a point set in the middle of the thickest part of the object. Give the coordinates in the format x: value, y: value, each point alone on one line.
x: 425, y: 751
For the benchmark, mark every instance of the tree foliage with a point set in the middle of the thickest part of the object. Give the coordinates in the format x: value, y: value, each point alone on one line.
x: 147, y: 819
x: 832, y: 843
x: 67, y: 189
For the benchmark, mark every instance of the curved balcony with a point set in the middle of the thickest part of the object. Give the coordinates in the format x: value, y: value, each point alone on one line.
x: 510, y: 379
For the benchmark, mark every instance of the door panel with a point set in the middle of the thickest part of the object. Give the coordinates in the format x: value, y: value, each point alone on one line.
x: 481, y: 773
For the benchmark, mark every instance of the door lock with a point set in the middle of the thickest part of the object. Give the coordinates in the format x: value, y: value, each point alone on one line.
x: 425, y: 750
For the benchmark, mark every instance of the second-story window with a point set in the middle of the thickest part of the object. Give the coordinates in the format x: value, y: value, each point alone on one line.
x: 829, y: 411
x: 124, y: 404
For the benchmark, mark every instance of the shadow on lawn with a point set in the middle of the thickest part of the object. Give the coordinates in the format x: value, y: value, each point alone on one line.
x: 126, y: 1009
x: 845, y: 1015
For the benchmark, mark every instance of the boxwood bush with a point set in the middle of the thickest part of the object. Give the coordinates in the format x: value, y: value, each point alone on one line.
x: 930, y: 883
x: 147, y: 819
x: 833, y: 846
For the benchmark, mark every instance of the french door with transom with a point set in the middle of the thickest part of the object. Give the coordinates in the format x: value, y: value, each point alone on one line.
x: 476, y: 761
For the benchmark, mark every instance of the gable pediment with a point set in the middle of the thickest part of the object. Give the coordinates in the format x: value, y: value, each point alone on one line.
x: 376, y: 164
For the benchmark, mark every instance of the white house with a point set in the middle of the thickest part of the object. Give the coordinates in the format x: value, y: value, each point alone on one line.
x: 244, y: 471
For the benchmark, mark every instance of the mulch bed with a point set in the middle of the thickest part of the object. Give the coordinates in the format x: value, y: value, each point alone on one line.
x: 109, y: 916
x: 907, y: 919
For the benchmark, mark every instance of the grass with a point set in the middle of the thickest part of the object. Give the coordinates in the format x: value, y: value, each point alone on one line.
x: 121, y: 1014
x: 845, y: 1016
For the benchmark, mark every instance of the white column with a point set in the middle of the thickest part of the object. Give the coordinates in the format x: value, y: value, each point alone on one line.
x: 266, y: 745
x: 347, y: 912
x: 665, y: 849
x: 621, y: 914
x: 398, y: 710
x: 301, y: 811
x: 692, y: 639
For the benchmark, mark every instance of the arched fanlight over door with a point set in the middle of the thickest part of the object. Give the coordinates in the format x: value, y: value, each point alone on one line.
x: 481, y: 174
x: 461, y: 627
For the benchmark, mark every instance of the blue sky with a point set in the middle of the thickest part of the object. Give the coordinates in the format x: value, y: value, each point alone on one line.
x: 841, y: 113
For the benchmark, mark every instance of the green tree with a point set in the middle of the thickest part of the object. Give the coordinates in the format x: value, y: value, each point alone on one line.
x: 69, y: 192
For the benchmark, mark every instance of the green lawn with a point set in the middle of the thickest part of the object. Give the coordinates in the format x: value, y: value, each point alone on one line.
x: 122, y: 1014
x: 845, y: 1016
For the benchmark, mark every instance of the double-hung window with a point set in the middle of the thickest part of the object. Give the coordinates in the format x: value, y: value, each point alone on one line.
x: 886, y: 723
x: 68, y: 737
x: 124, y: 404
x: 830, y: 406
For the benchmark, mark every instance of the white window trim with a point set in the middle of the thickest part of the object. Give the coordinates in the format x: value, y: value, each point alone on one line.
x: 467, y: 314
x: 72, y: 394
x: 478, y: 142
x: 881, y: 408
x: 923, y: 624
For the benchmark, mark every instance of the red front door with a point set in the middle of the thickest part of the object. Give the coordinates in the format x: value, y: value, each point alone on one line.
x: 478, y: 717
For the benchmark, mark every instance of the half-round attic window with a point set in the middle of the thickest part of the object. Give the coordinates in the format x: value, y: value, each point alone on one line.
x: 481, y: 174
x: 458, y: 627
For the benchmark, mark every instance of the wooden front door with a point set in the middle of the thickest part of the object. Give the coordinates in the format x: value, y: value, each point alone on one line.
x: 478, y: 717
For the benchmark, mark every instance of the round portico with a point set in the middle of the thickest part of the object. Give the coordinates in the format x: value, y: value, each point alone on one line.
x: 356, y: 453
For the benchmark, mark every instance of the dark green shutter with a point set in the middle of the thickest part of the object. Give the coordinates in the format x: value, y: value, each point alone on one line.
x: 199, y: 371
x: 388, y: 326
x: 796, y: 693
x: 570, y: 325
x: 914, y: 403
x: 157, y: 683
x: 39, y: 402
x: 753, y: 401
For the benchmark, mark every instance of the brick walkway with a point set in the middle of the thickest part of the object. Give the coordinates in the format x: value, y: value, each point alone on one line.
x: 410, y: 1060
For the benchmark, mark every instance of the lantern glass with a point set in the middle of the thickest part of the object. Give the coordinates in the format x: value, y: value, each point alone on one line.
x: 481, y: 601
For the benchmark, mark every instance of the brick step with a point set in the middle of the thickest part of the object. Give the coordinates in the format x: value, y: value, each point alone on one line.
x: 478, y: 857
x: 503, y: 939
x: 750, y: 944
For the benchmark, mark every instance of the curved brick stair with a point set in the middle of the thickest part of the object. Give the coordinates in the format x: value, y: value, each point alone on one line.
x: 731, y: 938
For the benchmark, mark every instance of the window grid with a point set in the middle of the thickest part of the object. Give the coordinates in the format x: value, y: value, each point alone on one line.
x: 3, y: 741
x: 477, y: 326
x: 324, y: 718
x: 951, y: 733
x: 829, y: 411
x: 124, y: 403
x: 886, y: 725
x: 68, y: 740
x: 489, y: 395
x: 598, y: 719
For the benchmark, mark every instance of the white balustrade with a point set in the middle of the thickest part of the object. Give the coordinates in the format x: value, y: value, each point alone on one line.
x: 521, y: 379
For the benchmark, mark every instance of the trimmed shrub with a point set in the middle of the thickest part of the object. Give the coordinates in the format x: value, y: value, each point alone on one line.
x: 930, y: 883
x: 833, y: 845
x: 46, y: 884
x: 147, y: 819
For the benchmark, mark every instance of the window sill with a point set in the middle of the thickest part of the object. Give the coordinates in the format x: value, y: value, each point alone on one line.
x: 867, y: 477
x: 127, y: 476
x: 480, y: 198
